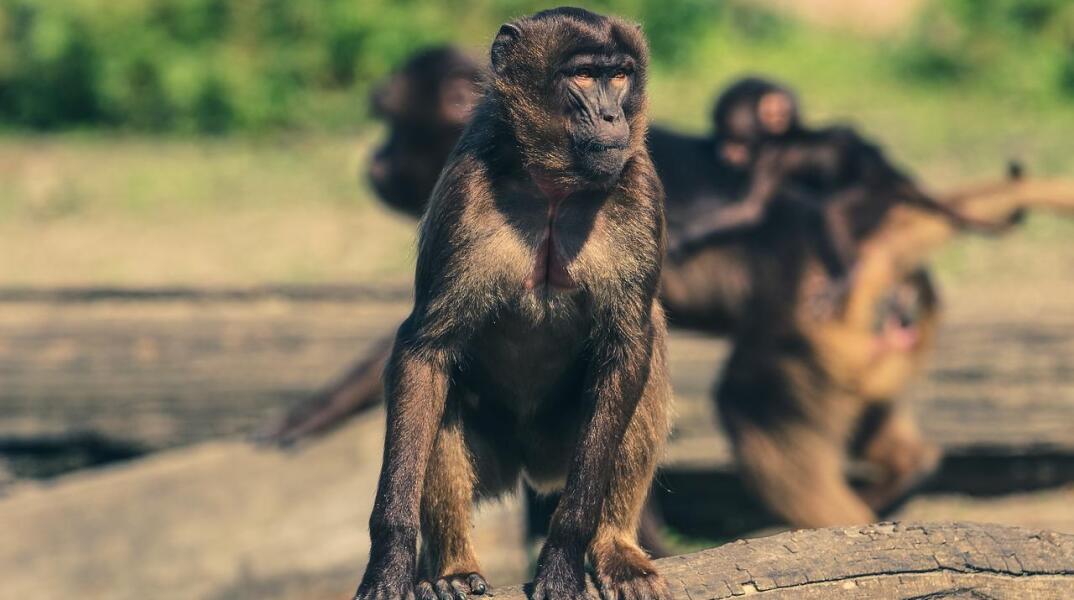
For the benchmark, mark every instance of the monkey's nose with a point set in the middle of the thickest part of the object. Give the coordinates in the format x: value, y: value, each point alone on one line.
x: 609, y: 117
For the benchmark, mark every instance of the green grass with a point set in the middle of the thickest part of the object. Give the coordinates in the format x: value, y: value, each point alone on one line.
x: 154, y: 211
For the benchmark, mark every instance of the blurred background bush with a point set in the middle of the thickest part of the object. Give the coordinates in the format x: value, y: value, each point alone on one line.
x: 214, y: 66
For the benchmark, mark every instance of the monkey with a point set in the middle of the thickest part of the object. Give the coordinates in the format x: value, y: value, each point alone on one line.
x: 536, y: 345
x: 759, y: 128
x: 800, y: 394
x: 750, y: 111
x: 426, y: 105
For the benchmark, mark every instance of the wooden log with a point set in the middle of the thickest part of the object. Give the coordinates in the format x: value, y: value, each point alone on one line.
x: 881, y: 561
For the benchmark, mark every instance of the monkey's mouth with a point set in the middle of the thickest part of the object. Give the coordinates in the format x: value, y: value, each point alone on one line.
x: 901, y: 337
x: 605, y: 146
x: 601, y: 161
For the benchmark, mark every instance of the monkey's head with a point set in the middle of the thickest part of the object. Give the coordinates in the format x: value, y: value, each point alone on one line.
x: 426, y: 104
x: 751, y: 111
x: 571, y: 85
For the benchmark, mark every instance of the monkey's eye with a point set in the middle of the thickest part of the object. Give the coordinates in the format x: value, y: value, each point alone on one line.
x: 619, y: 77
x: 583, y: 76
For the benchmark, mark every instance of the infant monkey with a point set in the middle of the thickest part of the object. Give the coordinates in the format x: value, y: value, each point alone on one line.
x: 832, y: 170
x: 536, y: 346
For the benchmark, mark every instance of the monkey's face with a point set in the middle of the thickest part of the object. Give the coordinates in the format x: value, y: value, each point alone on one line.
x: 776, y: 113
x: 592, y: 91
x: 750, y: 112
x: 403, y: 171
x: 572, y: 83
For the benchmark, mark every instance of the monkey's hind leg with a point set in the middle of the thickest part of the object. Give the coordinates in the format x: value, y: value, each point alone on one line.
x: 454, y: 480
x: 893, y: 443
x: 789, y: 427
x: 799, y: 475
x: 623, y: 570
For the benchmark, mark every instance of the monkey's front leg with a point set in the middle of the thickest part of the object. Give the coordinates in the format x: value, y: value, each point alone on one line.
x: 450, y: 565
x: 417, y: 386
x: 617, y: 385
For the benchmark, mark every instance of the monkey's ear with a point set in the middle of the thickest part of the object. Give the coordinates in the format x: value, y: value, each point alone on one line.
x: 387, y: 99
x: 509, y: 34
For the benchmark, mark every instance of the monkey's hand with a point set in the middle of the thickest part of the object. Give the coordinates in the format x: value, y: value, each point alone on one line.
x: 830, y: 301
x: 625, y: 572
x: 560, y: 575
x: 389, y: 576
x: 454, y: 587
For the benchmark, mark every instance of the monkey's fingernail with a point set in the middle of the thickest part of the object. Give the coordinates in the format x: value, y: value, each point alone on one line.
x: 477, y: 584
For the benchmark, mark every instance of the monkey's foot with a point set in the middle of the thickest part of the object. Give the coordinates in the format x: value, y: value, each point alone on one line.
x: 910, y: 466
x: 453, y: 587
x: 623, y: 572
x: 560, y: 576
x: 390, y: 573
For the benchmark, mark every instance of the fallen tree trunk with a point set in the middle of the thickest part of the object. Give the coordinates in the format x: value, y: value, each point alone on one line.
x: 903, y: 561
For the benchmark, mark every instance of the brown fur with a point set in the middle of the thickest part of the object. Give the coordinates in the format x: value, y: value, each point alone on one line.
x: 536, y: 345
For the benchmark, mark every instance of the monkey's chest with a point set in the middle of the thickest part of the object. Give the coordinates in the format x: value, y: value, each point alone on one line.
x: 544, y: 242
x: 523, y: 366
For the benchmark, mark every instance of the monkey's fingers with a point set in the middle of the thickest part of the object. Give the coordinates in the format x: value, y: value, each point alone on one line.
x: 454, y: 587
x: 643, y: 587
x: 560, y: 575
x: 830, y: 301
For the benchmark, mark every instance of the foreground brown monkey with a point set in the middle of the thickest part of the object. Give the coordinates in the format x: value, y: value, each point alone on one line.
x: 847, y: 177
x: 535, y: 344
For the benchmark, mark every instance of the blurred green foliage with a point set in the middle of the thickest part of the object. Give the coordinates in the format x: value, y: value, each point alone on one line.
x: 1027, y: 42
x: 214, y: 66
x: 211, y: 66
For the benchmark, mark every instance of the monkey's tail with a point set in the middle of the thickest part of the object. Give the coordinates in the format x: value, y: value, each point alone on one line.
x: 361, y: 389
